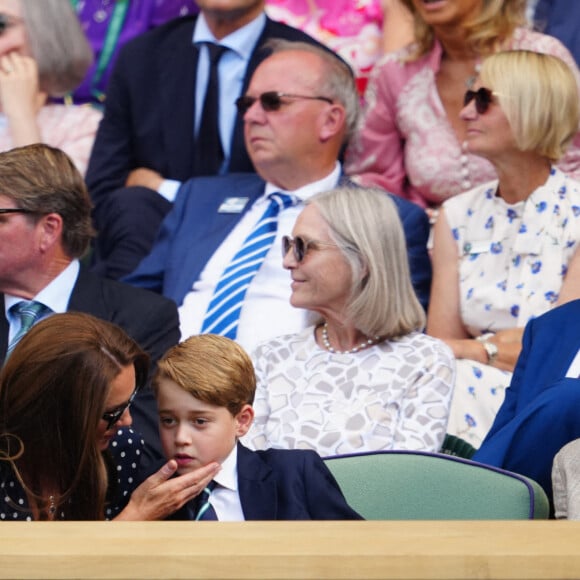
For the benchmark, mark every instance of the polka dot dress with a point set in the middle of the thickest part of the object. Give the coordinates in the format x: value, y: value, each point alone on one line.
x: 126, y: 449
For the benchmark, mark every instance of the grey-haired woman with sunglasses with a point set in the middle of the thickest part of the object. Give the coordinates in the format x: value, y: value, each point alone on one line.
x: 363, y: 377
x: 507, y: 251
x: 65, y: 396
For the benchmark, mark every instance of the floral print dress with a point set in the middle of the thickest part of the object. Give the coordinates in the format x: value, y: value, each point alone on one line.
x: 513, y: 259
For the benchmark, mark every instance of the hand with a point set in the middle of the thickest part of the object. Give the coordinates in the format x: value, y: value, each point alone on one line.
x: 19, y: 90
x: 145, y: 178
x: 159, y: 496
x: 467, y: 348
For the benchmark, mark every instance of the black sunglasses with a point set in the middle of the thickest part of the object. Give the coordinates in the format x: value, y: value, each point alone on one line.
x: 272, y: 101
x: 15, y: 210
x: 483, y: 99
x: 300, y: 246
x: 114, y: 416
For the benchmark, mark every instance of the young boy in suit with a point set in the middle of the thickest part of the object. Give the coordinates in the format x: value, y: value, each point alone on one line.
x: 205, y: 388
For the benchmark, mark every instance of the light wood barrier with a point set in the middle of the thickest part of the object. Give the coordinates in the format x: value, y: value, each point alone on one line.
x: 435, y: 549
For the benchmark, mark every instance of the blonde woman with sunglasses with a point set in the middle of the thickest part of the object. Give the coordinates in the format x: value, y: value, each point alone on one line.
x: 507, y: 251
x: 362, y: 377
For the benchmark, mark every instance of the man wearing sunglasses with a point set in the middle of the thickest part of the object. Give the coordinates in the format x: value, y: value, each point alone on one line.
x: 45, y: 228
x: 153, y: 128
x: 300, y: 108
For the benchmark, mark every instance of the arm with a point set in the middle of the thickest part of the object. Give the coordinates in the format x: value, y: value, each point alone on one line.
x: 424, y: 408
x: 21, y: 97
x: 559, y: 488
x: 397, y: 25
x: 444, y: 317
x: 160, y: 495
x: 375, y: 156
x: 325, y: 500
x: 571, y: 286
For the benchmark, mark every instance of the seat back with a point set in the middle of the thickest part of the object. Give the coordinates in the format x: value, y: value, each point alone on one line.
x: 413, y: 485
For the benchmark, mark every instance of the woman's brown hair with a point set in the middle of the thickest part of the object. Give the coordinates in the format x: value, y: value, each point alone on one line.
x: 53, y: 391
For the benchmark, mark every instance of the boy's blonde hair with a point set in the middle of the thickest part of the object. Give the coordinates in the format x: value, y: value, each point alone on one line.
x: 213, y: 369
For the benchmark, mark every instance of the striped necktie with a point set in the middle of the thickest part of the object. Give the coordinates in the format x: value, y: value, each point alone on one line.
x: 205, y: 511
x: 28, y: 312
x: 224, y: 309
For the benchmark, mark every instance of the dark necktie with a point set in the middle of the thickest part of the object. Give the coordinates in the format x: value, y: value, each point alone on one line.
x: 205, y: 511
x: 209, y: 154
x: 28, y: 312
x: 224, y: 309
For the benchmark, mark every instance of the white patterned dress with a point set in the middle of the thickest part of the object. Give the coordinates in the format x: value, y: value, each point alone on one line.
x: 512, y: 261
x: 393, y: 395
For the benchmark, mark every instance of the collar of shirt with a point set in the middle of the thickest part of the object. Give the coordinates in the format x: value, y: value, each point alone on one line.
x: 228, y: 474
x: 241, y: 41
x: 307, y: 191
x: 56, y: 295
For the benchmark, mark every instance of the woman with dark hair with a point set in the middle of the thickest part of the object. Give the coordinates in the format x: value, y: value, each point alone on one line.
x: 65, y: 395
x: 44, y: 54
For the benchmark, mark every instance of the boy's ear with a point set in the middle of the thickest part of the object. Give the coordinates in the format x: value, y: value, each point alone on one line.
x: 244, y: 420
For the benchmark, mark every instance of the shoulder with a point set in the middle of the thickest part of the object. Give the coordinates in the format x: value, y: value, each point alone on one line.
x: 569, y: 456
x: 526, y: 39
x: 469, y: 201
x: 281, y: 347
x: 560, y: 314
x: 275, y: 29
x: 281, y: 460
x: 176, y: 31
x: 423, y: 345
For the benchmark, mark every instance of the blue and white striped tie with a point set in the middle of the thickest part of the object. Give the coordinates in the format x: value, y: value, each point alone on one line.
x: 29, y: 312
x: 224, y: 309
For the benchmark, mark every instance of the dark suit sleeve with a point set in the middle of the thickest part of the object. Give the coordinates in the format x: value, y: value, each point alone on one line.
x: 507, y: 411
x: 416, y: 227
x: 150, y: 273
x: 111, y: 157
x: 324, y: 497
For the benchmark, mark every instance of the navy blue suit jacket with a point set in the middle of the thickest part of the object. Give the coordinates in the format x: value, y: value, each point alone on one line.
x: 282, y: 484
x: 151, y: 320
x: 541, y: 410
x: 149, y: 112
x: 560, y: 18
x: 194, y: 230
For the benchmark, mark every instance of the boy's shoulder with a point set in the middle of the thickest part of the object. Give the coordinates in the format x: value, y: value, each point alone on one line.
x: 279, y: 460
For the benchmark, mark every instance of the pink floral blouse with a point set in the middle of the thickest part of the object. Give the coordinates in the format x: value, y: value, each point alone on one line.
x: 406, y: 143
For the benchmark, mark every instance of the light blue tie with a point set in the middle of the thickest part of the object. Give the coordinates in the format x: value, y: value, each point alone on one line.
x: 224, y: 309
x: 29, y: 312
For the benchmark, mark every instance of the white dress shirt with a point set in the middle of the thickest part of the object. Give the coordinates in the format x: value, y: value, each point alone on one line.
x: 225, y: 498
x: 56, y: 295
x: 266, y: 312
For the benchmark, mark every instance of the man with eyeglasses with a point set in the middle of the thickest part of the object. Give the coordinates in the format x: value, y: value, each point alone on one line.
x: 45, y: 229
x: 170, y: 115
x: 300, y: 108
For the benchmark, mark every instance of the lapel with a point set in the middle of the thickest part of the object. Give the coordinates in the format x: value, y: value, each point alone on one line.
x: 256, y: 486
x: 176, y: 65
x: 203, y: 227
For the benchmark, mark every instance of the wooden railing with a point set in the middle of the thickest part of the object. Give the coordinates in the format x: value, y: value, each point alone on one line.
x: 435, y: 549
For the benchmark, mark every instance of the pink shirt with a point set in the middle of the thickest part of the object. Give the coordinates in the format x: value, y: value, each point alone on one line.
x: 406, y: 143
x: 71, y: 128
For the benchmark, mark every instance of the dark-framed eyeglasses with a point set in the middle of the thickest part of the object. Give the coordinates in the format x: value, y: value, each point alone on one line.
x: 300, y: 246
x: 273, y: 101
x: 114, y: 416
x: 15, y: 210
x: 483, y: 99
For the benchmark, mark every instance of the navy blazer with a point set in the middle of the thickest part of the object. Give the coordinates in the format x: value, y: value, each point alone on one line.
x: 541, y: 410
x: 149, y: 113
x: 151, y: 320
x: 286, y: 484
x: 194, y: 229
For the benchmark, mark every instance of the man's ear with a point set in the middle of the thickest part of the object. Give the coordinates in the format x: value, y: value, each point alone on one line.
x: 244, y: 420
x: 333, y: 122
x: 51, y: 230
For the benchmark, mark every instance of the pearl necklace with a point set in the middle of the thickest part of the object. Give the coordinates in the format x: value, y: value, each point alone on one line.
x: 365, y: 344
